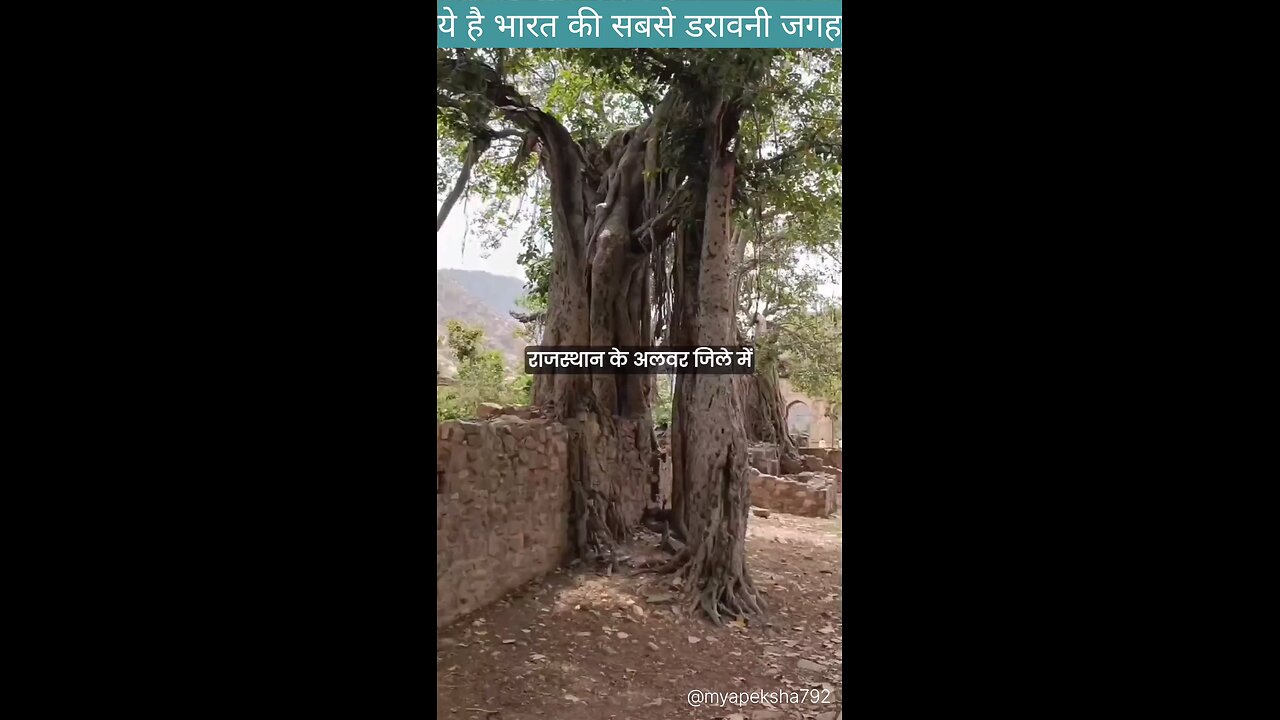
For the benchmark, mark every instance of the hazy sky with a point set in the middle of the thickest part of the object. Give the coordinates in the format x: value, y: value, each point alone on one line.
x: 449, y: 253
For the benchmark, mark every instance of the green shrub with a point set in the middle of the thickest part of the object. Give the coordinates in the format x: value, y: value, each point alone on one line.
x: 482, y: 377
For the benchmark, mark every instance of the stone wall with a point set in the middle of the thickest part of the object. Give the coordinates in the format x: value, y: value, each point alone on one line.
x: 807, y: 494
x: 833, y: 457
x: 763, y: 457
x: 816, y: 464
x: 502, y: 509
x: 806, y: 485
x: 503, y: 499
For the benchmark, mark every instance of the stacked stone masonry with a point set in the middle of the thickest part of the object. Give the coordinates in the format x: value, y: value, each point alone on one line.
x: 807, y: 485
x: 833, y: 457
x: 502, y: 509
x: 807, y: 494
x: 831, y: 462
x: 503, y: 500
x: 764, y: 457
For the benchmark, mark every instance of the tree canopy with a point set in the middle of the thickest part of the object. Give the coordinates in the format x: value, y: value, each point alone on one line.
x: 789, y: 143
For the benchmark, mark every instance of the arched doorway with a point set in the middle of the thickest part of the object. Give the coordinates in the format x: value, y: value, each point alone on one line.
x: 799, y: 419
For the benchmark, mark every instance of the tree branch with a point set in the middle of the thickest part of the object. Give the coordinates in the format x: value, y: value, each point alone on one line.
x: 779, y: 162
x: 474, y: 149
x: 483, y: 83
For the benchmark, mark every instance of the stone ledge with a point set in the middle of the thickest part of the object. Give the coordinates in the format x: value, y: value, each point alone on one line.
x: 831, y: 457
x: 807, y: 494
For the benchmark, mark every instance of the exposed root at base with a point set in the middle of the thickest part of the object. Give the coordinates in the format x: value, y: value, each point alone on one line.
x: 724, y: 590
x: 674, y: 563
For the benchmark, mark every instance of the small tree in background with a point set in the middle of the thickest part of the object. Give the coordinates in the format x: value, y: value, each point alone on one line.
x: 482, y: 377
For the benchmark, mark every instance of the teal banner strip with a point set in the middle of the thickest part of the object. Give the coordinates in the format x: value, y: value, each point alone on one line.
x: 638, y: 23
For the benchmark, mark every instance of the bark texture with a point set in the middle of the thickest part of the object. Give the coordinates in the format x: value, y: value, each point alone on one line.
x: 766, y: 420
x: 711, y: 494
x: 765, y: 407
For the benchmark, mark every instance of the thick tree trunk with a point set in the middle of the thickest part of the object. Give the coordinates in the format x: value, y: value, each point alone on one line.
x: 713, y: 501
x: 597, y: 298
x: 568, y: 304
x: 599, y: 282
x: 684, y: 333
x: 766, y: 410
x: 766, y: 419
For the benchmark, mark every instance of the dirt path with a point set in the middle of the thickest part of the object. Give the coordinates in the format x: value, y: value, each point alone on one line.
x: 583, y: 646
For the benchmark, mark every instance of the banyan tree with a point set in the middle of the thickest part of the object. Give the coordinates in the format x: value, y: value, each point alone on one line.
x: 644, y: 175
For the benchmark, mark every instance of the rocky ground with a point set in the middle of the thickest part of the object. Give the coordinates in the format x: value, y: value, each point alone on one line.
x: 586, y: 646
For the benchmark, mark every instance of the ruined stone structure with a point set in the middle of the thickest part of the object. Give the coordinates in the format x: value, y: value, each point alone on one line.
x: 833, y: 457
x: 808, y: 486
x: 829, y: 460
x: 808, y: 494
x: 806, y: 416
x: 764, y: 457
x: 503, y: 501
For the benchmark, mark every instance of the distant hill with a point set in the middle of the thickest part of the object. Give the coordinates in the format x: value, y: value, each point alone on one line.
x: 478, y: 299
x: 499, y: 292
